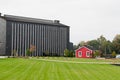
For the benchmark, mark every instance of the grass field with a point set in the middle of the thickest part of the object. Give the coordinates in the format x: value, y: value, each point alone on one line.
x: 38, y: 69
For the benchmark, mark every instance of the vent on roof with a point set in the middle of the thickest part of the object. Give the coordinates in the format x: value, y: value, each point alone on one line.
x: 56, y: 21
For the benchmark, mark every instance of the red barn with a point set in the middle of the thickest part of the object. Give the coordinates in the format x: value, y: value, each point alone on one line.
x: 83, y: 52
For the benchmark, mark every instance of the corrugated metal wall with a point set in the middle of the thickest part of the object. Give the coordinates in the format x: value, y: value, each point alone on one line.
x: 47, y: 39
x: 2, y: 36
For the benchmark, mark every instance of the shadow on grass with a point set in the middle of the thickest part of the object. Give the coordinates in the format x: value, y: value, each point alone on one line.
x: 116, y: 64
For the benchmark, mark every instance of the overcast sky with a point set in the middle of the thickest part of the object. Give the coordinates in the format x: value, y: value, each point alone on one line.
x: 88, y: 19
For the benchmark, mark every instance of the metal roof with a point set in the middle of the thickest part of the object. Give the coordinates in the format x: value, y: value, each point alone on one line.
x: 33, y: 20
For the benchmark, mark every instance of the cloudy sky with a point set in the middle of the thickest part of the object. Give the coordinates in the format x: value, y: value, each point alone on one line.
x: 88, y: 19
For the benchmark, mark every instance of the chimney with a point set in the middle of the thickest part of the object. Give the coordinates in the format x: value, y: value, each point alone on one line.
x: 0, y: 14
x: 56, y: 21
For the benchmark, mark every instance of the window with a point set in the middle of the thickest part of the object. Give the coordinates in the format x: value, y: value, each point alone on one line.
x: 79, y: 54
x: 87, y: 54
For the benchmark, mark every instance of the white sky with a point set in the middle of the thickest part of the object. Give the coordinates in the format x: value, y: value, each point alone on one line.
x: 88, y: 19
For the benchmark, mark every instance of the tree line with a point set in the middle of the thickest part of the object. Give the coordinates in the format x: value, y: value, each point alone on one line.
x: 104, y: 46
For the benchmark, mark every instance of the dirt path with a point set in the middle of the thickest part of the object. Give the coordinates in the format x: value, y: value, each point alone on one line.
x: 3, y: 56
x: 79, y: 62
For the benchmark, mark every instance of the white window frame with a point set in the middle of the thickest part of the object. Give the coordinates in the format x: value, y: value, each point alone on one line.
x: 87, y: 53
x: 79, y: 53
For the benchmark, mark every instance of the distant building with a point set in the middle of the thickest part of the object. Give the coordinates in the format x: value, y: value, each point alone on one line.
x: 83, y: 52
x: 70, y: 46
x: 18, y: 33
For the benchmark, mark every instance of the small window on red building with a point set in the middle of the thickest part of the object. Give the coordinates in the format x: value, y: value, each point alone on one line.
x: 79, y: 54
x: 87, y: 54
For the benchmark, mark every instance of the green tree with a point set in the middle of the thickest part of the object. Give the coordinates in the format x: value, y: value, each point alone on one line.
x: 96, y: 53
x: 113, y: 54
x: 71, y: 53
x: 94, y: 44
x: 82, y: 43
x: 102, y: 44
x: 116, y: 43
x: 66, y: 52
x: 109, y: 47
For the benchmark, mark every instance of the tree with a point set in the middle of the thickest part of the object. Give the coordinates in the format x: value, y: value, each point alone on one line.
x: 102, y: 44
x: 66, y: 52
x: 109, y: 47
x: 94, y: 44
x: 116, y: 43
x: 96, y: 53
x: 82, y: 43
x: 71, y: 53
x: 113, y: 54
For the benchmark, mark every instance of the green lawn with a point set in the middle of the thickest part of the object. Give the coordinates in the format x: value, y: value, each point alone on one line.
x: 37, y: 69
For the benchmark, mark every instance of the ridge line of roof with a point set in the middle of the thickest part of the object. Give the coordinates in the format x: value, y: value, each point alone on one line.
x: 34, y: 20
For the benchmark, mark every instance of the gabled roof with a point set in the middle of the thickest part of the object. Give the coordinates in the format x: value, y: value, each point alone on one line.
x: 33, y: 20
x: 83, y: 47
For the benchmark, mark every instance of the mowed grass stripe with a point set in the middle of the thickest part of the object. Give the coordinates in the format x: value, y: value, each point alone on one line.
x: 32, y: 69
x: 40, y: 73
x: 105, y: 72
x: 7, y: 64
x: 111, y: 72
x: 27, y: 70
x: 70, y: 73
x: 10, y: 70
x: 62, y: 72
x: 20, y: 71
x: 52, y: 73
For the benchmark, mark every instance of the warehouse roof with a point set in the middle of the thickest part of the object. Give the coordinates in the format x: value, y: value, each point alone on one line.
x: 33, y: 20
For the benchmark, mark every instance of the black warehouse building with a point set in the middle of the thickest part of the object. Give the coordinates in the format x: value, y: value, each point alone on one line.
x: 19, y: 33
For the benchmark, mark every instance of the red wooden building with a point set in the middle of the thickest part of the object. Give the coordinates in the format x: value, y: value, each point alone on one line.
x: 83, y: 52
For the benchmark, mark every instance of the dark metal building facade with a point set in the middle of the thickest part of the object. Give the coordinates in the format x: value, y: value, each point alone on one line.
x: 49, y: 37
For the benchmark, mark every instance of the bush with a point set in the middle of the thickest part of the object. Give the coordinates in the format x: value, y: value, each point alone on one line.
x: 28, y: 52
x: 113, y: 54
x: 68, y: 53
x: 96, y: 53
